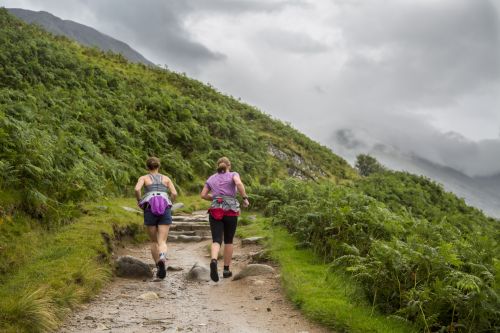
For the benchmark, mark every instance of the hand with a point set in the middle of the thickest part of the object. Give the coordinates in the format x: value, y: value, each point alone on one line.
x: 246, y: 203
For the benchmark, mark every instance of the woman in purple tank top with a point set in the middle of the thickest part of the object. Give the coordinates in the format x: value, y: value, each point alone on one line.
x: 221, y: 189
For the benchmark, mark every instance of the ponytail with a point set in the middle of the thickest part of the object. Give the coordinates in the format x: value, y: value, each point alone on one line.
x: 222, y: 167
x: 223, y: 164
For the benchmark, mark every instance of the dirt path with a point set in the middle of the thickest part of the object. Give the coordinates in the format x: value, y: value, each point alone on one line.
x: 253, y: 304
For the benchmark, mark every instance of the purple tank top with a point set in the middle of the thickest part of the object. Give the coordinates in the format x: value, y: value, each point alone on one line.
x: 222, y: 184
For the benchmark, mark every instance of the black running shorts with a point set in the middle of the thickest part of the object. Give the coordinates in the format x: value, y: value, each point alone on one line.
x: 225, y: 227
x: 152, y: 220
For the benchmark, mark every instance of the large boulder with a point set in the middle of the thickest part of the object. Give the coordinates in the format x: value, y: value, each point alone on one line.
x: 198, y: 273
x: 130, y: 267
x: 254, y: 270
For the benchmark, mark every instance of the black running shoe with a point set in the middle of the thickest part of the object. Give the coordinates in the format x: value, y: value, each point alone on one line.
x: 227, y: 273
x: 162, y: 272
x: 214, y: 275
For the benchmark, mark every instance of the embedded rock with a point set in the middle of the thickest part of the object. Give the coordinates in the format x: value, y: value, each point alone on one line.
x: 254, y: 270
x: 130, y: 267
x: 198, y: 273
x: 251, y: 240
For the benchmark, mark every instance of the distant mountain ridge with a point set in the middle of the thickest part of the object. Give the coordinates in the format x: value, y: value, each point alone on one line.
x: 481, y: 192
x: 81, y: 33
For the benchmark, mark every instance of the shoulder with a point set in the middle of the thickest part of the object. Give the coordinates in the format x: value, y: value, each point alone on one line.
x: 166, y: 178
x: 212, y: 177
x: 235, y: 174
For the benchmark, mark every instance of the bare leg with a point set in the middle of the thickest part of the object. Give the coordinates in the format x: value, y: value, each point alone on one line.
x: 152, y: 232
x: 228, y: 254
x: 162, y: 238
x: 215, y: 250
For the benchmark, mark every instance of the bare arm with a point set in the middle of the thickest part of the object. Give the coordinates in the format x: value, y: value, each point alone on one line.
x: 241, y: 189
x: 204, y: 193
x: 138, y: 188
x: 171, y: 188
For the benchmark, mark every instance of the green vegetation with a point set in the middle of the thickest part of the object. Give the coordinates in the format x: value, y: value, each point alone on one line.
x: 330, y: 298
x: 366, y: 165
x: 192, y: 202
x: 425, y: 257
x: 77, y: 124
x: 46, y: 274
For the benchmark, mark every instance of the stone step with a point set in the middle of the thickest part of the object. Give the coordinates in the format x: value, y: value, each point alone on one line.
x: 190, y: 218
x: 183, y: 232
x: 201, y: 233
x: 189, y: 226
x: 186, y: 238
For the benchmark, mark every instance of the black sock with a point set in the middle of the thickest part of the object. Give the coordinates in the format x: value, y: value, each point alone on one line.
x: 226, y: 268
x: 214, y: 260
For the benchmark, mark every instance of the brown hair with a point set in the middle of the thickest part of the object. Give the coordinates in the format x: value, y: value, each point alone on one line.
x: 153, y: 163
x: 223, y: 164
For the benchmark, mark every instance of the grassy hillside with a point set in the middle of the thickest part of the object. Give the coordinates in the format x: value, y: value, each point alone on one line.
x: 76, y: 123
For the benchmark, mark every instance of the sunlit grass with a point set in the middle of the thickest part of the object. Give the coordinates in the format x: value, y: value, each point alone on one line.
x: 323, y: 296
x: 61, y: 269
x: 192, y: 202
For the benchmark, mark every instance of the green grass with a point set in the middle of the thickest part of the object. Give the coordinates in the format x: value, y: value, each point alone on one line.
x: 326, y: 297
x: 63, y: 268
x: 192, y: 202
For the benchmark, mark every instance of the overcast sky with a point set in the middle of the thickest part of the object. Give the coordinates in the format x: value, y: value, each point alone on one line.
x: 404, y: 76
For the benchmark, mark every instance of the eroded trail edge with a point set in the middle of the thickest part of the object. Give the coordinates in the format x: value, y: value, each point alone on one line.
x: 176, y: 304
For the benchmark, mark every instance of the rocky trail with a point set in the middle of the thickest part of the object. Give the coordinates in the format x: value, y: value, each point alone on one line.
x: 185, y: 301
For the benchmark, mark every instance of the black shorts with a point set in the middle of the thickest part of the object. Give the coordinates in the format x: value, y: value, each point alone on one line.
x: 225, y: 227
x: 152, y: 220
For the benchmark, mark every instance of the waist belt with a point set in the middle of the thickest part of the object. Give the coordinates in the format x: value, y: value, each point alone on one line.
x: 224, y: 206
x: 226, y: 203
x: 152, y: 194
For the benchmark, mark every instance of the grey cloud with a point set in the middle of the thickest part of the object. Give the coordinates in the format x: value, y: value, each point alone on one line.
x: 153, y: 27
x: 318, y: 89
x: 411, y: 61
x: 420, y: 54
x: 347, y: 139
x: 243, y: 6
x: 291, y: 41
x: 157, y: 26
x: 474, y: 158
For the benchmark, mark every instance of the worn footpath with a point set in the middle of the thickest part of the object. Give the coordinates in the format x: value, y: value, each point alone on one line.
x: 177, y: 304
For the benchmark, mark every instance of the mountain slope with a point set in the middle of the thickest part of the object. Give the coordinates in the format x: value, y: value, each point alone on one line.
x: 79, y: 32
x: 481, y: 192
x: 77, y: 123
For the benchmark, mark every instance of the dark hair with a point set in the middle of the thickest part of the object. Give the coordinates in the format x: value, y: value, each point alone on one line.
x: 153, y: 163
x: 223, y: 164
